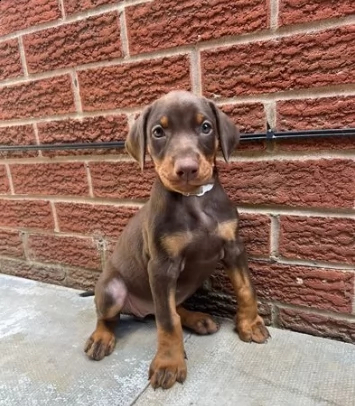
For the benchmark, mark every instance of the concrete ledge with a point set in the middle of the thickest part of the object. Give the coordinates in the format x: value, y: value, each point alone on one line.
x: 43, y: 329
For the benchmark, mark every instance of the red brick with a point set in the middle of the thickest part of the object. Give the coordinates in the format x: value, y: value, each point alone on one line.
x: 303, y: 11
x: 299, y: 285
x: 81, y: 278
x: 21, y: 14
x: 318, y: 238
x: 317, y: 325
x: 133, y: 84
x: 37, y: 99
x: 91, y: 40
x: 50, y: 179
x: 95, y: 129
x: 26, y: 214
x: 316, y: 114
x: 297, y: 62
x: 11, y: 243
x: 122, y: 180
x: 255, y: 231
x: 73, y: 251
x: 221, y: 305
x: 75, y: 6
x: 37, y: 272
x: 249, y: 118
x: 312, y: 183
x: 10, y: 62
x: 4, y: 182
x: 93, y: 219
x: 190, y: 22
x: 17, y: 135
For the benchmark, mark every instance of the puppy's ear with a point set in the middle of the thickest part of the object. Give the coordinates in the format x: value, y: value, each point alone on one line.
x: 228, y: 133
x: 136, y: 142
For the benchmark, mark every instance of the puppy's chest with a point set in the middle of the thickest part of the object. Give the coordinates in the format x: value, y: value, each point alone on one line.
x: 201, y: 240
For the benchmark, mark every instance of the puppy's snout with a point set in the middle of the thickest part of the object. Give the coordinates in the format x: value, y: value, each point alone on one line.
x: 186, y: 168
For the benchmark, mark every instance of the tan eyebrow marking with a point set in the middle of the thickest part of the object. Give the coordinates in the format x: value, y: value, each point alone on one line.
x: 164, y: 122
x: 200, y: 118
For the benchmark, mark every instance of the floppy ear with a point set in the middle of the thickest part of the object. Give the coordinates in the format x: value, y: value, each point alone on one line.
x: 228, y: 133
x: 136, y: 142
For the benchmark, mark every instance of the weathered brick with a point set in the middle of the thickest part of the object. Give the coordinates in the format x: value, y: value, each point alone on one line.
x: 75, y: 6
x: 37, y: 272
x: 311, y: 183
x: 255, y: 231
x: 81, y: 278
x: 90, y: 40
x: 318, y: 238
x: 94, y: 129
x: 10, y: 62
x: 73, y: 251
x: 11, y: 244
x: 133, y: 84
x: 20, y: 14
x: 26, y: 214
x: 4, y: 181
x: 316, y: 114
x: 92, y: 219
x: 327, y: 289
x: 17, y: 135
x: 249, y: 118
x: 303, y: 11
x: 50, y: 179
x: 122, y: 180
x: 37, y: 99
x: 191, y: 22
x: 297, y: 62
x: 317, y: 325
x: 221, y: 305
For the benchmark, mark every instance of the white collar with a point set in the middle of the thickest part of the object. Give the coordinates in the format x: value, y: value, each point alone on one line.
x: 201, y: 190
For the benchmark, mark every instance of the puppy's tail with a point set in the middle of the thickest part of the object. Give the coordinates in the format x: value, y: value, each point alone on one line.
x: 87, y: 293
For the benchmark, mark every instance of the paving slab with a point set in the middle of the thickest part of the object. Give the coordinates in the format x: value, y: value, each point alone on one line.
x: 43, y: 329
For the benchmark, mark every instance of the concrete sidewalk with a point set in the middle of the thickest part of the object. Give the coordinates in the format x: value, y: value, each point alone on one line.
x: 43, y: 329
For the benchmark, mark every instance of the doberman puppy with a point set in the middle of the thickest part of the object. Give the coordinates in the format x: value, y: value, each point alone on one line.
x: 176, y: 240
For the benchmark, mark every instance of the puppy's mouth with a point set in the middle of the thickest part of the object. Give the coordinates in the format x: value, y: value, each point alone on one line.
x: 186, y: 186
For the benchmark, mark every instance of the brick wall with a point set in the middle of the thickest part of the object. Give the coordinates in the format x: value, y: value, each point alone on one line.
x: 81, y: 70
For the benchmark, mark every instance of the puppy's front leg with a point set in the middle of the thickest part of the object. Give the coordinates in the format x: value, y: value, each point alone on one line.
x: 249, y: 324
x: 168, y: 365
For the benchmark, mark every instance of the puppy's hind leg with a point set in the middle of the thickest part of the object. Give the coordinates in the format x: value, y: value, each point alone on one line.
x: 110, y: 296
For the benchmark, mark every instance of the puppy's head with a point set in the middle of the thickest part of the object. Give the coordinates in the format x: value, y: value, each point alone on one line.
x: 182, y: 132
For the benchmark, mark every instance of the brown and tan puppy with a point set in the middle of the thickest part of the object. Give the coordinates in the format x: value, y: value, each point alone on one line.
x: 176, y: 240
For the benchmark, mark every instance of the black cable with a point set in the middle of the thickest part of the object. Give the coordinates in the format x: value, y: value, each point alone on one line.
x: 269, y: 135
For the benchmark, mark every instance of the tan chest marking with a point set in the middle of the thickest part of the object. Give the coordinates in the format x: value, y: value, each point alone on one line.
x: 175, y: 243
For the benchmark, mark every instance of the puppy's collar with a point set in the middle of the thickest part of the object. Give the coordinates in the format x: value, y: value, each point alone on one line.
x: 201, y: 190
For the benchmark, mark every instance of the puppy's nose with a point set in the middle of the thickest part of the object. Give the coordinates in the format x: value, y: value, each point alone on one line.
x: 186, y: 168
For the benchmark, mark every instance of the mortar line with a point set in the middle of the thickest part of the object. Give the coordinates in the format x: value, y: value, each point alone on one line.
x: 195, y: 72
x: 22, y: 56
x: 76, y: 91
x: 89, y: 179
x: 36, y: 133
x: 55, y: 217
x: 123, y: 34
x: 62, y: 9
x: 274, y: 15
x: 274, y: 236
x: 314, y: 311
x: 9, y: 177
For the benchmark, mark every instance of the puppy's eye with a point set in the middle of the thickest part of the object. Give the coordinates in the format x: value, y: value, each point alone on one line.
x: 158, y: 131
x: 206, y: 127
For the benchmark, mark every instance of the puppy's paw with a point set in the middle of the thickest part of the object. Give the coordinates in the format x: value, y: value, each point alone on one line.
x: 165, y: 370
x: 254, y: 330
x: 100, y: 344
x: 200, y: 323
